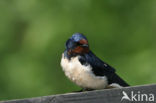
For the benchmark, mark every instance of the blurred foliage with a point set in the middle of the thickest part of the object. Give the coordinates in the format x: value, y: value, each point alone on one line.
x: 33, y: 34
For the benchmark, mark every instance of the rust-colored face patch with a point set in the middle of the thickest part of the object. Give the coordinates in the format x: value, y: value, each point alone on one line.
x: 80, y: 50
x: 83, y: 41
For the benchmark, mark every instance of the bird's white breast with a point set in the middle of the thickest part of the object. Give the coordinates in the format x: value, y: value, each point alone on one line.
x: 82, y: 75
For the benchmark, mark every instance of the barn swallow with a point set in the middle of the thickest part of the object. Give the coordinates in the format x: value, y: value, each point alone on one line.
x: 85, y: 69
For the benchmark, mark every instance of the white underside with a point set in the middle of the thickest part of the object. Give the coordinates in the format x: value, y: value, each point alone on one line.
x: 82, y: 75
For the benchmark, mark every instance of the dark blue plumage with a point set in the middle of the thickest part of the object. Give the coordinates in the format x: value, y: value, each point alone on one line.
x: 73, y: 41
x: 77, y: 45
x: 101, y: 68
x: 77, y: 37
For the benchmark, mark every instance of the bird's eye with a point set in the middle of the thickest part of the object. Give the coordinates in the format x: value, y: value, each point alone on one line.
x: 79, y: 44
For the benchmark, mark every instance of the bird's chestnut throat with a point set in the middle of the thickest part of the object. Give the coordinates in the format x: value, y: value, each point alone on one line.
x: 78, y: 50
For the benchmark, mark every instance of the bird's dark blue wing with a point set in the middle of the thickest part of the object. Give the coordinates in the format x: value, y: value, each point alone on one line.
x: 100, y: 68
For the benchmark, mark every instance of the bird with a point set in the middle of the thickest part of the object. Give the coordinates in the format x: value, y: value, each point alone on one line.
x: 85, y: 69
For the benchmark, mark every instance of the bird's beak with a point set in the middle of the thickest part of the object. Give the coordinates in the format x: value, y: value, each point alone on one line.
x: 85, y: 45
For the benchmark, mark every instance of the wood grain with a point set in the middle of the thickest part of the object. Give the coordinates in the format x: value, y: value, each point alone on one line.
x: 97, y: 96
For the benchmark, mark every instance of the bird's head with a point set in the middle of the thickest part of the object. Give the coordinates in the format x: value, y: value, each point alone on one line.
x: 77, y: 44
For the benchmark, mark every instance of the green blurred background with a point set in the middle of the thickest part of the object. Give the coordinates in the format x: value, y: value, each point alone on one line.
x: 33, y: 34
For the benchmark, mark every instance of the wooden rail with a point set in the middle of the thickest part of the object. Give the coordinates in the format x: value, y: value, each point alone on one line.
x: 141, y: 94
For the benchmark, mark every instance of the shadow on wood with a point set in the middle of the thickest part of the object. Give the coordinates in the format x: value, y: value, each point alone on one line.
x: 99, y: 96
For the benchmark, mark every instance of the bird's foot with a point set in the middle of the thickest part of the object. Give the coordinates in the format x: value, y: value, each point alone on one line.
x: 84, y: 90
x: 87, y: 89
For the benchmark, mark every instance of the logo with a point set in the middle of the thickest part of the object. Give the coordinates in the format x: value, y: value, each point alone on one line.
x: 125, y: 96
x: 138, y: 96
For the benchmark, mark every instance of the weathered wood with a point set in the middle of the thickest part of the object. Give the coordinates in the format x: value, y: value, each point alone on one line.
x: 98, y: 96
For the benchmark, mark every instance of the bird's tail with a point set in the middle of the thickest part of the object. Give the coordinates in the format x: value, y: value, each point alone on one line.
x: 116, y: 79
